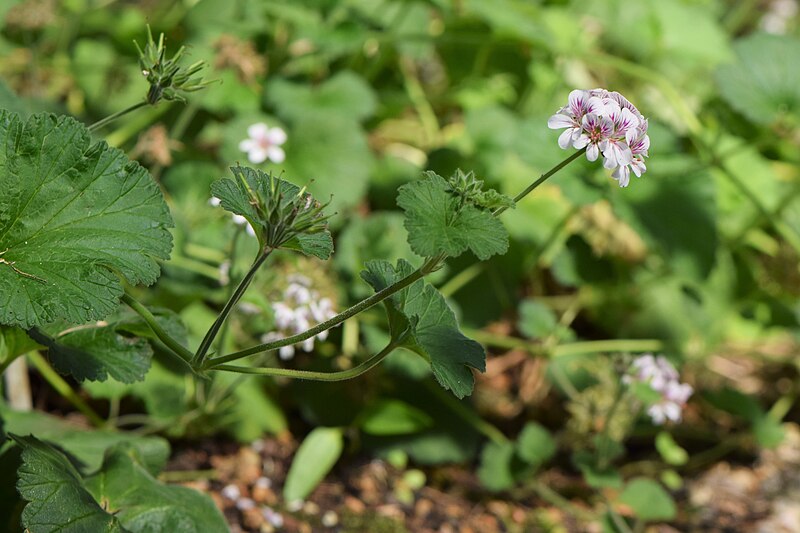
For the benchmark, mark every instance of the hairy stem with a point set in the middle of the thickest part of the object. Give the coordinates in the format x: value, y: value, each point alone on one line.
x: 429, y: 266
x: 110, y: 118
x: 202, y: 350
x: 310, y: 375
x: 544, y: 177
x: 176, y: 347
x: 217, y: 362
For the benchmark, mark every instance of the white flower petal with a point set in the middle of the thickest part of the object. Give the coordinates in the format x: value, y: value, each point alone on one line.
x: 276, y: 135
x: 581, y: 141
x: 565, y: 139
x: 276, y: 154
x: 558, y: 121
x: 256, y: 131
x: 592, y: 152
x: 257, y: 155
x: 247, y: 145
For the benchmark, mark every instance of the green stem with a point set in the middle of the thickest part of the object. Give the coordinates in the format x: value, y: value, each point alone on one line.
x: 310, y: 375
x: 544, y: 177
x: 176, y: 347
x: 462, y: 278
x: 572, y: 348
x: 202, y: 350
x: 110, y: 118
x: 611, y: 345
x: 232, y: 265
x: 63, y: 388
x: 427, y: 267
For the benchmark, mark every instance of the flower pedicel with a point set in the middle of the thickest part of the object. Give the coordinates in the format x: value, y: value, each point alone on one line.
x: 604, y: 122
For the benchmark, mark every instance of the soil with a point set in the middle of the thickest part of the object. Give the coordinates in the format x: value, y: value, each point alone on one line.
x: 363, y: 495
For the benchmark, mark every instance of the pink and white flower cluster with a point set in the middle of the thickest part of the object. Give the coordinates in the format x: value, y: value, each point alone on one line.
x: 301, y: 308
x: 662, y: 377
x: 604, y: 122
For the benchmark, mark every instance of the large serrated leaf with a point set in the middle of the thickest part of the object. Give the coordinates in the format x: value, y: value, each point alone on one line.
x: 94, y: 353
x: 58, y: 499
x: 437, y: 223
x: 72, y: 216
x: 434, y: 329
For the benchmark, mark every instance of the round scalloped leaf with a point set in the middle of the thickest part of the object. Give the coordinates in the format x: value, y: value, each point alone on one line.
x: 434, y: 328
x: 73, y: 216
x: 765, y: 81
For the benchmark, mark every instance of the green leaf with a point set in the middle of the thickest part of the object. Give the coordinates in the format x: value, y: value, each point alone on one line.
x: 434, y: 332
x: 58, y: 499
x: 535, y: 445
x: 596, y: 476
x: 72, y: 218
x: 670, y: 451
x: 86, y: 447
x: 495, y: 471
x: 333, y: 157
x: 345, y: 96
x: 314, y: 459
x: 253, y: 411
x: 394, y: 417
x: 768, y: 432
x: 317, y: 244
x: 109, y: 348
x: 437, y: 223
x: 648, y: 500
x: 13, y: 343
x: 94, y: 353
x: 536, y: 320
x: 757, y: 85
x: 143, y: 504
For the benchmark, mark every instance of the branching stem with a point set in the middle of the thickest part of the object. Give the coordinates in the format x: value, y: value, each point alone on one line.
x: 202, y: 350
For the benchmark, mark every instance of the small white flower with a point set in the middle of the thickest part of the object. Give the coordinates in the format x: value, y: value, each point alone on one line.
x: 570, y: 116
x: 662, y: 377
x: 604, y: 122
x: 264, y: 143
x: 214, y: 201
x: 300, y: 309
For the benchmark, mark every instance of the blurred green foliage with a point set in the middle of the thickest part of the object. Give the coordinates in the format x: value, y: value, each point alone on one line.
x: 699, y: 256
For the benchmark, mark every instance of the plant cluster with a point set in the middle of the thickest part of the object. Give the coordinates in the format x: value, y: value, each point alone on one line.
x: 518, y: 315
